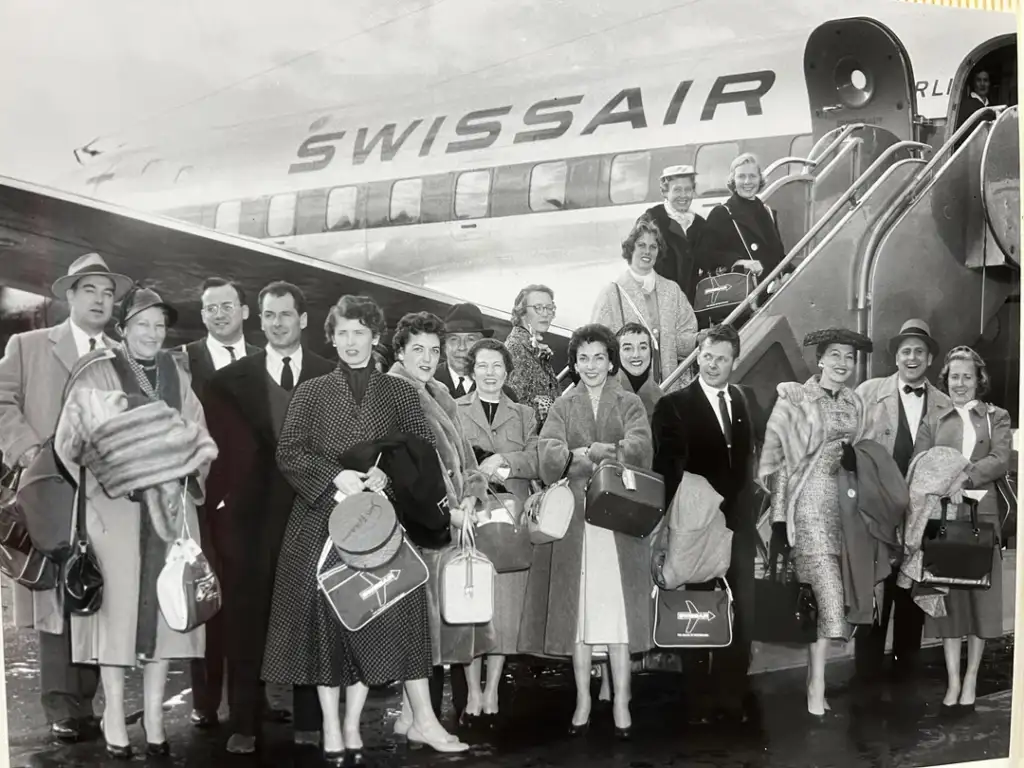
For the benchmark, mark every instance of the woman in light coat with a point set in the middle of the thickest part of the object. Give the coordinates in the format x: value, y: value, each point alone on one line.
x: 591, y: 588
x: 129, y: 534
x: 507, y: 433
x: 982, y: 432
x: 641, y: 295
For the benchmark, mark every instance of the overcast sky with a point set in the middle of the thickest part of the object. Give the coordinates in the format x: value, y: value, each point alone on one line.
x: 72, y: 70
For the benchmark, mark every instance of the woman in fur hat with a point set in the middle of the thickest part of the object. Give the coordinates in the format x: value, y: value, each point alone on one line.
x: 809, y: 429
x: 418, y: 341
x: 129, y: 533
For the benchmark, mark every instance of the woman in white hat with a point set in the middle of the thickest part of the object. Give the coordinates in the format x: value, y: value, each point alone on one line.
x: 681, y: 228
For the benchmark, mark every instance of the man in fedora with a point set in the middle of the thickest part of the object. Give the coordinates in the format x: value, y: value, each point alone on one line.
x: 680, y: 228
x: 463, y: 327
x: 33, y: 372
x: 895, y: 408
x: 245, y: 404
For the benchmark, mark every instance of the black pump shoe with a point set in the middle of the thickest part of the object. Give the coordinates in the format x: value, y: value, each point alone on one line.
x: 115, y: 751
x: 335, y: 758
x: 354, y: 757
x: 579, y: 730
x: 624, y: 734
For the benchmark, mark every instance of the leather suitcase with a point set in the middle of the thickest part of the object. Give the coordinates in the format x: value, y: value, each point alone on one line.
x: 718, y: 295
x: 625, y: 499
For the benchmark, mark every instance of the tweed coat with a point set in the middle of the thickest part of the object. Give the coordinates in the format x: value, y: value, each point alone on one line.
x: 33, y: 371
x: 108, y: 637
x: 305, y: 643
x: 882, y: 409
x: 677, y: 324
x: 552, y: 595
x: 532, y: 378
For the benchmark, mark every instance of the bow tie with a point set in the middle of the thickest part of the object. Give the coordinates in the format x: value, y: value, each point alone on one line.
x: 919, y: 391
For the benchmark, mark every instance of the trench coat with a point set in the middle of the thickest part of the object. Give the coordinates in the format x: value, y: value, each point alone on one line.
x: 108, y: 636
x: 33, y: 371
x: 549, y: 621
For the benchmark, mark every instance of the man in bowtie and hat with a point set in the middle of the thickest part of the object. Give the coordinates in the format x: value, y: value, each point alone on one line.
x: 680, y: 228
x: 33, y: 372
x: 895, y: 408
x: 463, y: 327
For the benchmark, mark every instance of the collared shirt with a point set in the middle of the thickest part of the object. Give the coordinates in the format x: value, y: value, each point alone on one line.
x: 976, y: 96
x: 970, y: 433
x: 82, y: 339
x: 467, y: 382
x: 712, y: 395
x: 275, y: 364
x: 219, y: 352
x: 913, y: 406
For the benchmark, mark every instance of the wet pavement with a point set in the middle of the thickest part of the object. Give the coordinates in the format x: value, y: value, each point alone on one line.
x: 892, y: 726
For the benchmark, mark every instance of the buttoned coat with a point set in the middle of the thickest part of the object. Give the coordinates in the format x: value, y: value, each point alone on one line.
x: 552, y: 594
x: 677, y: 324
x: 882, y: 409
x: 33, y: 372
x: 513, y: 434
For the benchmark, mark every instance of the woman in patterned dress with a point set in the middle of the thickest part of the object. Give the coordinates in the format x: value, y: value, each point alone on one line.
x: 983, y: 433
x: 591, y: 589
x: 306, y: 645
x: 418, y: 341
x: 507, y: 432
x: 810, y: 428
x: 532, y: 377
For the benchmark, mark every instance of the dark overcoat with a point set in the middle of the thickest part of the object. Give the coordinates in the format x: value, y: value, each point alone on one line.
x: 552, y: 594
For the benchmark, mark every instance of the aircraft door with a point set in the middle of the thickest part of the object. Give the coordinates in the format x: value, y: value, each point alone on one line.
x: 857, y: 71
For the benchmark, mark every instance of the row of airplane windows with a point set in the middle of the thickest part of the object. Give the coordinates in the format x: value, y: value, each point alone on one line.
x: 624, y: 178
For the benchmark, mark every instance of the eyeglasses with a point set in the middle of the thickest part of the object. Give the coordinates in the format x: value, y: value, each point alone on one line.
x: 543, y: 309
x: 227, y: 308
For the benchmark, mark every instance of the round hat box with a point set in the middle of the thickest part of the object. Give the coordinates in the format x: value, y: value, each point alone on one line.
x: 365, y: 531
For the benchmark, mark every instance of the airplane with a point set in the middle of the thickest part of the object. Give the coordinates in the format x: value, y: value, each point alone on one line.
x: 476, y: 192
x: 693, y: 617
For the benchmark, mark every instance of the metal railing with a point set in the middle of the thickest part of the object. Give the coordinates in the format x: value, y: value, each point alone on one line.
x: 882, y: 227
x: 762, y: 287
x: 787, y: 161
x: 842, y: 134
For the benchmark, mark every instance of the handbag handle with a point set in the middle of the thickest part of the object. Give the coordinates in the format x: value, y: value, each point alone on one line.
x: 972, y: 505
x: 516, y: 519
x: 81, y: 534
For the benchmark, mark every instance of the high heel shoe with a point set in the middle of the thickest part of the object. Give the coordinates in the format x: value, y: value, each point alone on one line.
x: 161, y: 749
x: 417, y: 740
x: 624, y: 734
x: 115, y: 751
x: 579, y: 730
x: 354, y: 757
x: 335, y: 758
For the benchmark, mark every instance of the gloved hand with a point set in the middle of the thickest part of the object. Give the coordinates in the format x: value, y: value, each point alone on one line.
x: 849, y: 459
x: 780, y: 540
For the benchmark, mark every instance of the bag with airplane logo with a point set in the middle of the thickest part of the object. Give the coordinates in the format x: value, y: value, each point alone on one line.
x: 19, y: 560
x: 693, y: 618
x: 357, y: 597
x: 716, y: 296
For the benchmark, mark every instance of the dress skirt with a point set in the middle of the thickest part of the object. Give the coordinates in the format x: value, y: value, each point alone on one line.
x: 452, y: 643
x: 509, y: 600
x: 602, y: 608
x: 977, y: 612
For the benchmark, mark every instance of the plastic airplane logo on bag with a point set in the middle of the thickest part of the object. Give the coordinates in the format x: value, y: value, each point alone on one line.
x: 693, y: 617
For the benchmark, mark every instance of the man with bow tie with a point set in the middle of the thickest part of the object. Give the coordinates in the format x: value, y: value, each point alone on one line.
x: 895, y: 409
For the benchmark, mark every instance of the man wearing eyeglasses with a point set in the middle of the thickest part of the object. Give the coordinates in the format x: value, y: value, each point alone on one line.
x: 224, y: 311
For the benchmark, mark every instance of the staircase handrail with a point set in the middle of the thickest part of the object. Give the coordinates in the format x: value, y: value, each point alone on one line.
x: 792, y: 160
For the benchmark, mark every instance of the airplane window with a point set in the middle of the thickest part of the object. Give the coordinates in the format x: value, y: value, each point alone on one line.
x: 341, y: 208
x: 228, y: 217
x: 713, y: 166
x: 630, y: 175
x: 471, y: 194
x: 547, y: 186
x: 281, y: 216
x: 405, y: 201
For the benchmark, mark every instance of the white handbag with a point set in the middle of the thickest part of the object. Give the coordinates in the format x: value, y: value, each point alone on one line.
x: 467, y: 583
x: 187, y: 589
x: 549, y: 512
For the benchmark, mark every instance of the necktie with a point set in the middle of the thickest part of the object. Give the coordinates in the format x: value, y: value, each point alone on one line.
x: 460, y: 390
x: 231, y: 351
x: 287, y: 377
x: 919, y: 391
x: 726, y: 421
x: 92, y: 345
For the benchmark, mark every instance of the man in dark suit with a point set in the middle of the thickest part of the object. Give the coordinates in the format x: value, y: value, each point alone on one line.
x: 680, y: 228
x: 895, y: 409
x: 711, y: 429
x: 224, y: 311
x: 246, y: 403
x: 463, y: 327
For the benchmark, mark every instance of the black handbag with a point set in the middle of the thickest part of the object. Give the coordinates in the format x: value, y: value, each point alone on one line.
x: 83, y: 580
x: 19, y: 560
x: 958, y: 553
x: 785, y: 609
x: 693, y: 618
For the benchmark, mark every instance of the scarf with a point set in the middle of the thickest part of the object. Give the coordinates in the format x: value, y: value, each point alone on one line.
x: 455, y: 451
x: 637, y: 381
x: 647, y: 282
x: 684, y: 220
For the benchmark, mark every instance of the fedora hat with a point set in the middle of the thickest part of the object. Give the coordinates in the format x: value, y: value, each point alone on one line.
x: 918, y: 329
x: 678, y: 170
x: 466, y: 318
x: 89, y: 264
x: 141, y: 299
x: 365, y: 531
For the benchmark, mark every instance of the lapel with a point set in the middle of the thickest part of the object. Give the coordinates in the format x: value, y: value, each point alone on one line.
x: 504, y: 412
x: 249, y: 384
x: 890, y: 400
x: 64, y: 345
x: 475, y: 411
x: 707, y: 412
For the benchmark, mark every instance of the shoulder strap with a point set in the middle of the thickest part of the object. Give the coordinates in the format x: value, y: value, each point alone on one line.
x: 737, y: 228
x: 639, y: 314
